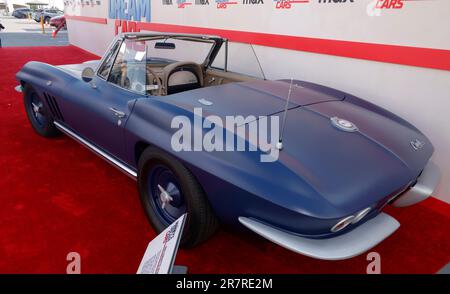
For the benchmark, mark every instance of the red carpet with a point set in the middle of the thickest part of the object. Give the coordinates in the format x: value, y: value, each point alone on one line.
x: 57, y: 197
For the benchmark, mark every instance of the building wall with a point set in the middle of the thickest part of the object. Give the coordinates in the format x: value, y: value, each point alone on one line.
x: 396, y: 55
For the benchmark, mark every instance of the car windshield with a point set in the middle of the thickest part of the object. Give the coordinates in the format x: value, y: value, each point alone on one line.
x: 166, y: 65
x: 169, y: 50
x: 142, y: 65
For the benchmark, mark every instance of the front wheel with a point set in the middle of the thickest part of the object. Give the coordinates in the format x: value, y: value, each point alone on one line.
x: 38, y: 115
x: 168, y: 190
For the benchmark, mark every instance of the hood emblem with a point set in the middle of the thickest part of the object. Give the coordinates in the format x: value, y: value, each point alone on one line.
x: 417, y: 144
x: 205, y: 102
x: 343, y: 124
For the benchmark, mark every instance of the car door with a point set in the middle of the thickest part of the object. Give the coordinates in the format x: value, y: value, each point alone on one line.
x: 102, y: 116
x: 103, y: 105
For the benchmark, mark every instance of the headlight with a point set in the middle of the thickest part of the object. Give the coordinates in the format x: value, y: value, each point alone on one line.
x: 352, y: 219
x: 342, y: 224
x: 360, y: 215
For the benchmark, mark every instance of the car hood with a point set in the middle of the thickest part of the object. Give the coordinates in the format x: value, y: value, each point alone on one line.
x: 352, y: 170
x: 321, y: 171
x: 76, y: 69
x: 261, y: 97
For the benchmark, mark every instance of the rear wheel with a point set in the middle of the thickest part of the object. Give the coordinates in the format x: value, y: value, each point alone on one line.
x: 168, y: 190
x: 39, y: 117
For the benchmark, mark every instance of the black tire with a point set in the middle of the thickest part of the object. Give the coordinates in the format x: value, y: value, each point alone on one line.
x: 201, y: 222
x: 44, y: 127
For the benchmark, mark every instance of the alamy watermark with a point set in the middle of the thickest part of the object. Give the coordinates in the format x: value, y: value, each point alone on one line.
x: 74, y: 265
x: 234, y: 133
x: 374, y: 266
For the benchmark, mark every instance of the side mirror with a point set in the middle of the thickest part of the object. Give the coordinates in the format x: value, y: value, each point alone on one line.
x: 87, y: 74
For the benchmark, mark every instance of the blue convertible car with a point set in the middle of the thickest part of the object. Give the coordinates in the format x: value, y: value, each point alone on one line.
x: 337, y: 161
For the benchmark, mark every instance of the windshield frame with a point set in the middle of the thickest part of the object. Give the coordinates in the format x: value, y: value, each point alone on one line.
x: 217, y: 44
x: 214, y: 40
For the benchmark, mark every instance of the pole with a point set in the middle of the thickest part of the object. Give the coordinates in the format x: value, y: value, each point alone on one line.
x: 42, y: 24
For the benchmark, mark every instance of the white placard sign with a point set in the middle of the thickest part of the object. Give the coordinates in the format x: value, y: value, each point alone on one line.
x: 161, y: 251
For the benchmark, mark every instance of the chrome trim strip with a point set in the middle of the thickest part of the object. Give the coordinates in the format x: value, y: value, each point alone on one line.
x: 116, y: 163
x: 102, y: 60
x: 423, y: 189
x: 353, y: 243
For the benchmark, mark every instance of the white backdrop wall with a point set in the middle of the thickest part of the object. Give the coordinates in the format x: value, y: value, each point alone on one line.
x: 419, y: 94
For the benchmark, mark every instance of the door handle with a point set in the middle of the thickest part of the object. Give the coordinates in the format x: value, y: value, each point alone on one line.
x: 118, y: 113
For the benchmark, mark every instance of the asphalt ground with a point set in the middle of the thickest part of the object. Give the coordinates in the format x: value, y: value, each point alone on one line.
x: 27, y: 32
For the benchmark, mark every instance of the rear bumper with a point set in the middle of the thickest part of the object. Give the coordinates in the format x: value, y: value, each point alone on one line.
x: 353, y: 243
x: 423, y: 189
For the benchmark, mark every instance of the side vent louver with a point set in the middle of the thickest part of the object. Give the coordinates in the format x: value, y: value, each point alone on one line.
x: 54, y: 108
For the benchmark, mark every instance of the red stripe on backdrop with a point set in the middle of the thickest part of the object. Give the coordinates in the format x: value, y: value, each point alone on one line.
x: 99, y: 20
x: 413, y: 56
x: 404, y: 55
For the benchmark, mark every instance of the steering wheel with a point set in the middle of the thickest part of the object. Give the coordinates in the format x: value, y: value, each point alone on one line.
x: 169, y: 69
x: 150, y: 73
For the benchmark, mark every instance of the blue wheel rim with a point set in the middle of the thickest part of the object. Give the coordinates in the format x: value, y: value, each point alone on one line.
x: 37, y: 110
x: 164, y: 177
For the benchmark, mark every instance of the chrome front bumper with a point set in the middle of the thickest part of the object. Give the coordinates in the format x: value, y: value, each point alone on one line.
x: 425, y: 185
x: 353, y: 243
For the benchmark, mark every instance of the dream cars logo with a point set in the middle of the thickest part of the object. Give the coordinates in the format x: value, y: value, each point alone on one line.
x: 389, y: 4
x: 375, y: 7
x: 236, y: 133
x: 288, y: 4
x: 130, y: 10
x: 224, y: 4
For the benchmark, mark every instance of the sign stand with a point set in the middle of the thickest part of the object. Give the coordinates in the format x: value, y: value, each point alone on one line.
x: 160, y: 254
x: 179, y: 270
